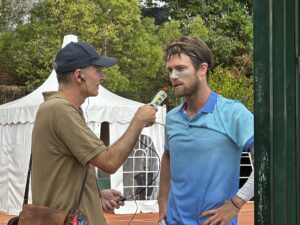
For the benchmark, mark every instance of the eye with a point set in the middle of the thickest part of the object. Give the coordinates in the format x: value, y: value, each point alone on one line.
x: 180, y: 68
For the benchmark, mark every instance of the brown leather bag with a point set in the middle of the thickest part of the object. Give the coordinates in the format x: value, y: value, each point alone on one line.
x: 43, y: 215
x: 13, y: 221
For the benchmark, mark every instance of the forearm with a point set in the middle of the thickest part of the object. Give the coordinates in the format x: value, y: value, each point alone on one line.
x: 246, y: 192
x: 124, y: 146
x: 164, y: 186
x: 113, y: 157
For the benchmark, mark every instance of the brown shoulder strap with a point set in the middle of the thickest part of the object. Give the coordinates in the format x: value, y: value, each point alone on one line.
x: 77, y: 203
x: 25, y: 201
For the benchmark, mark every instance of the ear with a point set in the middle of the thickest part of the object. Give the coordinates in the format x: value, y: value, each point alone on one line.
x: 77, y: 76
x: 202, y: 71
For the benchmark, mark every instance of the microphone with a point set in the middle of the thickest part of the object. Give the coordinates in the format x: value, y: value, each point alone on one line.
x: 159, y: 98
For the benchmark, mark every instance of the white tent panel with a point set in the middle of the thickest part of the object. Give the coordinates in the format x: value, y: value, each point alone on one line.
x: 156, y: 134
x: 24, y: 109
x: 15, y: 152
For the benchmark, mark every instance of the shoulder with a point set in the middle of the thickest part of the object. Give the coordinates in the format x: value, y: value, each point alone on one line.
x: 55, y: 103
x: 174, y: 112
x: 230, y: 106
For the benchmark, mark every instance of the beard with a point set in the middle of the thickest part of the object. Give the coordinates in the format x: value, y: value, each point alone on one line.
x: 190, y: 90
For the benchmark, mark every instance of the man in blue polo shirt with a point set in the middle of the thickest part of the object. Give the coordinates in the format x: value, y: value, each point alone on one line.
x: 205, y: 137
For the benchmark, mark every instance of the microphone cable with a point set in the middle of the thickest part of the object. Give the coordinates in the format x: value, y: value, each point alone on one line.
x: 156, y: 101
x: 136, y: 192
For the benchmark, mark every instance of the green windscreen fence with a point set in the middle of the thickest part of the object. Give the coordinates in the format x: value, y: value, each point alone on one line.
x: 276, y: 108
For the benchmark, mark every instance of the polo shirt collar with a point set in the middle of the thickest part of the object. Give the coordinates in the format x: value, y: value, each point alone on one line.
x: 53, y: 94
x: 209, y: 105
x: 56, y: 94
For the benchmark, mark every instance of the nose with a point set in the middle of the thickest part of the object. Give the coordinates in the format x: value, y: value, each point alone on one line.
x: 101, y: 75
x: 172, y: 76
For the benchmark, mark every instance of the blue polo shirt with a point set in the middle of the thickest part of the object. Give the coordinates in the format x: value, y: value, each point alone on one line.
x: 205, y: 154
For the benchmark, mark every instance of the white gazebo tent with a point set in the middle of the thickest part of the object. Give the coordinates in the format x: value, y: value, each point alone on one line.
x: 16, y: 123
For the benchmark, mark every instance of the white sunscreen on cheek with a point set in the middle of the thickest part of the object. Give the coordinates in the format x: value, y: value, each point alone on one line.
x: 179, y: 74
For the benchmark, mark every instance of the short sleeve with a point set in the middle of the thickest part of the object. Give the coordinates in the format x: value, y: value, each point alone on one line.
x: 78, y: 137
x: 241, y: 127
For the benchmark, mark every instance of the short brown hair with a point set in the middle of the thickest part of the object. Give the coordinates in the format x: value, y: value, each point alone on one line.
x: 195, y: 48
x: 64, y: 78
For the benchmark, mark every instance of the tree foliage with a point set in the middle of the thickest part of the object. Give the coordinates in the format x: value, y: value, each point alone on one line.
x: 13, y: 12
x: 229, y: 23
x: 233, y: 85
x: 31, y: 36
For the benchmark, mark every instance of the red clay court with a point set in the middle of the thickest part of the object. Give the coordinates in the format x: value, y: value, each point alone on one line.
x: 246, y: 217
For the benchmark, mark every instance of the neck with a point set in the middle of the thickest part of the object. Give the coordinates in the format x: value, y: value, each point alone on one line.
x: 73, y: 96
x: 197, y: 101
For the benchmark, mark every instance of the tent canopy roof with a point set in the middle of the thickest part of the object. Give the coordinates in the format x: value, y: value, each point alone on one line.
x: 106, y: 106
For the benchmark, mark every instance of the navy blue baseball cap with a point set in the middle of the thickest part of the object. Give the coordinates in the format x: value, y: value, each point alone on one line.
x: 77, y: 55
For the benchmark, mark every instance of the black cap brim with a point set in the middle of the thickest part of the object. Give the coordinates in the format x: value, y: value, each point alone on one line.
x: 105, y: 61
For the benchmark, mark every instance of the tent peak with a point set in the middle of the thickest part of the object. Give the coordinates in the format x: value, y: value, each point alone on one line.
x: 68, y: 39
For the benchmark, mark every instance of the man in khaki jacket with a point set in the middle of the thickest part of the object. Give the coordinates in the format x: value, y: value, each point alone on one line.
x: 62, y: 144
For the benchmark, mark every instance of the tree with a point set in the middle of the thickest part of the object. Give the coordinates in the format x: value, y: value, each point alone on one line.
x: 230, y: 84
x: 229, y: 23
x: 118, y: 29
x: 114, y: 27
x: 135, y: 43
x: 13, y: 12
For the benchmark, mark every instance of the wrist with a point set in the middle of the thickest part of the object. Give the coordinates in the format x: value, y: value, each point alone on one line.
x: 234, y: 204
x: 138, y: 122
x: 162, y: 201
x: 237, y: 202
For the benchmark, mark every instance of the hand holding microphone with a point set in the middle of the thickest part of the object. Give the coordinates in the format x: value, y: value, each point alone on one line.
x: 147, y: 112
x: 157, y: 100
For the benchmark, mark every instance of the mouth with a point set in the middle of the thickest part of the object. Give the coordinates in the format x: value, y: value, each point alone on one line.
x: 176, y: 85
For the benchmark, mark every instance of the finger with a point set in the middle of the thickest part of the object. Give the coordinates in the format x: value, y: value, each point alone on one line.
x: 223, y: 223
x: 154, y: 106
x: 149, y: 124
x: 210, y: 220
x: 104, y: 208
x: 208, y: 212
x: 114, y: 204
x: 216, y: 221
x: 121, y: 203
x: 161, y: 221
x: 109, y: 206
